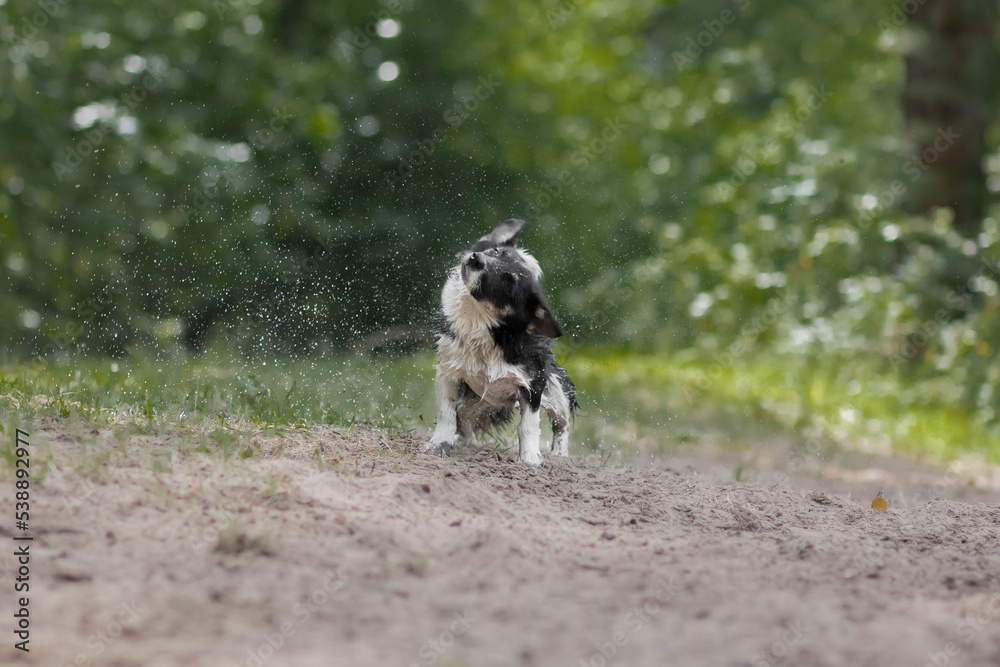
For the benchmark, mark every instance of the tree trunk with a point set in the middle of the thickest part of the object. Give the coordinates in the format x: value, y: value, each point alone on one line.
x: 948, y: 76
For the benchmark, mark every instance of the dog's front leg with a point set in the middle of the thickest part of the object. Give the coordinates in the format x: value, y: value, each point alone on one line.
x: 446, y: 432
x: 529, y: 433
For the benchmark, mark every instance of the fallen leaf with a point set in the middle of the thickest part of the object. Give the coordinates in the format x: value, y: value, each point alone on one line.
x: 879, y: 503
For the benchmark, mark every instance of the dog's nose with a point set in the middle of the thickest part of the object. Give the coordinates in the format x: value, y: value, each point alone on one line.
x: 475, y: 261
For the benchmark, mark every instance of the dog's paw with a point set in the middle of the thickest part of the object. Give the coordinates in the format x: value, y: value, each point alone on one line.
x: 531, y: 458
x: 441, y: 446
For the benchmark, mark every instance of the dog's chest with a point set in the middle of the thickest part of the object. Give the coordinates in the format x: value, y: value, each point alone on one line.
x: 471, y: 354
x: 479, y: 363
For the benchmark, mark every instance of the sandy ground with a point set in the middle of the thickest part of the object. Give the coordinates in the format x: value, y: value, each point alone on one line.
x: 349, y: 548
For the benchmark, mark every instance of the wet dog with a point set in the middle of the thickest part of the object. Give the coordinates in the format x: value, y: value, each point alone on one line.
x: 494, y: 347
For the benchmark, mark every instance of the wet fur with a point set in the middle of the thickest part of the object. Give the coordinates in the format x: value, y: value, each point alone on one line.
x: 494, y: 341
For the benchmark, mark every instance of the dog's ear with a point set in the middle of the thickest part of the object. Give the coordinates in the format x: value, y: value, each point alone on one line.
x: 504, y: 234
x: 544, y: 323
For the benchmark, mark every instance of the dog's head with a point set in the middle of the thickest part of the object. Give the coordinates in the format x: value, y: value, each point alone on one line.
x: 504, y: 279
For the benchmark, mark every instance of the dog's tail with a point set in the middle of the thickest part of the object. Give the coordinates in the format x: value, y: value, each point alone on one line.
x: 568, y: 388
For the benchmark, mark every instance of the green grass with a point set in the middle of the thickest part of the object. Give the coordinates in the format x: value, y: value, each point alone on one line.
x: 670, y: 399
x: 274, y: 394
x: 630, y: 402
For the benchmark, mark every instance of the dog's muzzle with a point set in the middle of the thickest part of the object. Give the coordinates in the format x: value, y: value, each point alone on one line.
x: 474, y: 262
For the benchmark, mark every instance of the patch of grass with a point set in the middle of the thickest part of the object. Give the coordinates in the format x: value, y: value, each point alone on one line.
x: 631, y: 402
x: 8, y: 453
x: 146, y: 393
x: 677, y: 400
x: 227, y: 441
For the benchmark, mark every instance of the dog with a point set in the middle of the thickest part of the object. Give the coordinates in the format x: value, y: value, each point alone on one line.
x: 494, y: 336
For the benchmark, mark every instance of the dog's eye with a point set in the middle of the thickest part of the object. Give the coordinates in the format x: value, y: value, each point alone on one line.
x: 509, y: 278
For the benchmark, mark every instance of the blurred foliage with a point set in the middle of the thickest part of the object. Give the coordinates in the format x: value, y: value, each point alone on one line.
x: 290, y: 176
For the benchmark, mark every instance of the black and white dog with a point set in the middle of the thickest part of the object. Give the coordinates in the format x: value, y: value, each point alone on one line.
x: 494, y: 346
